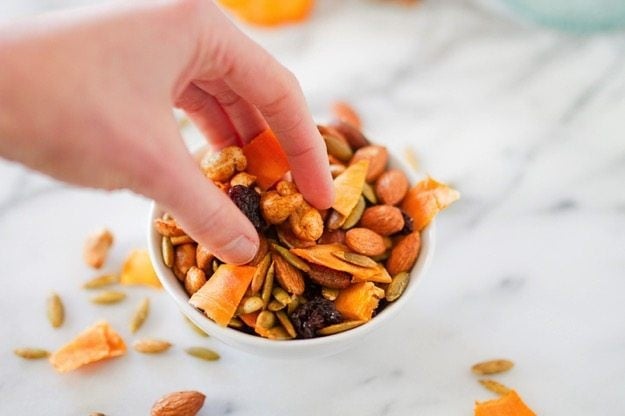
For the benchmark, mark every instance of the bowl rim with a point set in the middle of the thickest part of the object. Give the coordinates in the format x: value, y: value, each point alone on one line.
x: 236, y: 338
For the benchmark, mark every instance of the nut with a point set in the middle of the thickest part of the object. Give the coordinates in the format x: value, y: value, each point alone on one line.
x: 168, y: 227
x: 346, y: 113
x: 288, y: 276
x: 243, y: 178
x: 285, y: 188
x: 306, y: 222
x: 181, y: 403
x: 277, y: 208
x: 184, y: 259
x: 338, y: 147
x: 332, y: 236
x: 404, y: 254
x: 204, y: 258
x: 222, y: 165
x: 365, y: 241
x: 326, y: 277
x: 194, y: 280
x: 352, y: 134
x: 97, y: 247
x: 377, y: 157
x: 383, y: 219
x: 391, y: 187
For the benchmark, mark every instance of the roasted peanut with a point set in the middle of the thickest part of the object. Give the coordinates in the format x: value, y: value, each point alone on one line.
x: 276, y: 208
x: 306, y: 222
x: 222, y: 165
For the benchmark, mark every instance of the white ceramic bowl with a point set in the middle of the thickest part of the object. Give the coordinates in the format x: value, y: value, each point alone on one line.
x: 298, y: 348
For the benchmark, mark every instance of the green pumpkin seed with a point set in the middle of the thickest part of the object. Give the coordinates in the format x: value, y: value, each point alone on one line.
x: 281, y: 295
x: 397, y: 286
x: 102, y: 281
x: 266, y: 319
x: 286, y: 323
x: 329, y: 293
x: 108, y: 297
x: 236, y: 323
x: 268, y: 285
x: 382, y: 256
x: 97, y: 414
x: 140, y: 315
x: 354, y: 216
x: 259, y: 274
x: 495, y: 386
x: 167, y: 251
x: 336, y: 328
x: 55, y: 310
x: 338, y: 148
x: 31, y: 353
x: 151, y: 346
x: 291, y: 258
x: 251, y: 304
x: 274, y: 305
x: 355, y: 259
x: 369, y: 193
x: 294, y: 304
x: 278, y: 333
x: 195, y: 328
x: 203, y: 353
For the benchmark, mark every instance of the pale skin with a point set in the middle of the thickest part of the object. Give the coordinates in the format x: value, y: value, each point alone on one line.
x: 86, y: 96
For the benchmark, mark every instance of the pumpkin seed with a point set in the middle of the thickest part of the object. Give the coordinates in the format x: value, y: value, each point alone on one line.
x: 495, y: 386
x: 355, y: 259
x: 266, y: 319
x: 274, y: 305
x: 335, y: 220
x: 278, y: 333
x: 281, y: 295
x: 31, y: 353
x: 181, y: 239
x: 151, y: 346
x: 382, y: 256
x: 55, y: 310
x: 101, y: 281
x: 259, y: 274
x: 195, y: 328
x: 203, y: 353
x: 140, y: 315
x: 336, y: 328
x: 235, y: 323
x: 268, y: 285
x: 369, y: 193
x: 492, y: 367
x: 251, y: 304
x: 108, y: 297
x: 294, y: 304
x: 286, y: 323
x: 329, y: 293
x: 97, y: 414
x: 338, y: 148
x: 291, y: 258
x: 397, y: 286
x: 354, y: 216
x: 167, y: 251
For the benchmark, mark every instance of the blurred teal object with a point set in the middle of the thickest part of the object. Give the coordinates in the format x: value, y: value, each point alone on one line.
x: 573, y: 15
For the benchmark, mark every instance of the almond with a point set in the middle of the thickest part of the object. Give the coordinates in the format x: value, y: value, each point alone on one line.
x: 345, y: 112
x: 365, y: 241
x: 288, y: 276
x: 404, y: 254
x: 332, y: 236
x: 377, y: 157
x: 184, y: 259
x: 352, y: 134
x: 383, y: 219
x: 391, y: 187
x: 326, y: 277
x: 204, y: 258
x: 181, y: 403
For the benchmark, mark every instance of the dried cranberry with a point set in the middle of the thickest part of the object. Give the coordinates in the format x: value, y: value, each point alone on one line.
x: 408, y: 224
x: 248, y: 201
x: 314, y: 315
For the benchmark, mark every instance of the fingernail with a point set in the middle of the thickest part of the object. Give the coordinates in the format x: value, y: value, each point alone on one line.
x: 241, y: 250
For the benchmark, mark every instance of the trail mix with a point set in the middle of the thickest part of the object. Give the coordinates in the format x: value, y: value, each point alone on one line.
x: 317, y: 272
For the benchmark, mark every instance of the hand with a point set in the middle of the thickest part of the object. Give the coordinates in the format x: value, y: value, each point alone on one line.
x: 87, y: 97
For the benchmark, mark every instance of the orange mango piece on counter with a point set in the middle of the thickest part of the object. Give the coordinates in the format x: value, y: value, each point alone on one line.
x: 222, y: 293
x: 509, y: 404
x: 95, y: 343
x: 426, y: 199
x: 270, y: 12
x: 358, y: 301
x: 265, y: 159
x: 348, y: 187
x: 138, y: 270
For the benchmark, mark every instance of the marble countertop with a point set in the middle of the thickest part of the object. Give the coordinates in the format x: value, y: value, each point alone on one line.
x: 530, y: 265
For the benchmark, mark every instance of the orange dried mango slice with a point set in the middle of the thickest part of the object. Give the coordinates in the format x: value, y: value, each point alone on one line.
x: 270, y: 12
x: 426, y: 199
x: 138, y: 270
x: 222, y: 293
x: 509, y: 404
x: 348, y: 187
x: 358, y: 301
x: 95, y: 343
x: 265, y: 159
x: 322, y: 254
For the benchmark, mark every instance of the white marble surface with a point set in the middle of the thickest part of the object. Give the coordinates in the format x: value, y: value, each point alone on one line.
x: 527, y: 123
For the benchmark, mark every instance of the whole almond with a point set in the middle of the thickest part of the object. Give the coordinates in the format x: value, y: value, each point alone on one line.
x: 326, y: 277
x: 377, y: 157
x: 288, y: 276
x: 345, y: 112
x: 184, y: 259
x: 383, y: 219
x: 352, y: 134
x: 194, y: 280
x: 404, y: 254
x: 204, y: 258
x: 391, y: 187
x: 181, y: 403
x: 365, y: 241
x: 97, y: 247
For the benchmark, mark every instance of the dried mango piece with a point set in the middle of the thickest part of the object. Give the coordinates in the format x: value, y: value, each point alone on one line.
x: 348, y: 187
x: 265, y: 159
x: 95, y: 343
x: 509, y: 404
x: 270, y: 12
x: 359, y: 300
x: 138, y: 270
x: 426, y: 199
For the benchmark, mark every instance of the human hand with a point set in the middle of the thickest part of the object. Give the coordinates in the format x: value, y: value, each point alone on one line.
x: 87, y: 97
